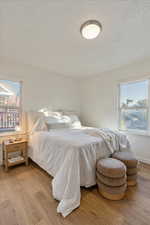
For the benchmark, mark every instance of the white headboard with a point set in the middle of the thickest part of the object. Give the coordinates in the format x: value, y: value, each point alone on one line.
x: 32, y: 117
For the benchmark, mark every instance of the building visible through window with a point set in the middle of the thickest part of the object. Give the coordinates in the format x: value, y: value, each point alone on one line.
x: 133, y: 108
x: 10, y: 105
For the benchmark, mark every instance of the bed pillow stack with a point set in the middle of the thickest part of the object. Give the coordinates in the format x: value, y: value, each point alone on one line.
x: 61, y: 120
x: 56, y: 120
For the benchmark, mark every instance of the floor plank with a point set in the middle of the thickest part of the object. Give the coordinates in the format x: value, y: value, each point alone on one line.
x: 7, y: 214
x: 26, y: 199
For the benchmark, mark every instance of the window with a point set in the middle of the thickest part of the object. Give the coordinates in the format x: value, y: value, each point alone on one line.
x: 134, y: 107
x: 10, y: 105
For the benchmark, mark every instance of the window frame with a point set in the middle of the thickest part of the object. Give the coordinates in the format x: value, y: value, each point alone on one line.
x: 135, y: 131
x: 10, y: 133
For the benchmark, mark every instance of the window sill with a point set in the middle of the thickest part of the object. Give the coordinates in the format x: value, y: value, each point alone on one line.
x: 136, y: 132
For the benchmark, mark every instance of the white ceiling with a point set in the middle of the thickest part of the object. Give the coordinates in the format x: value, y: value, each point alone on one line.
x: 46, y: 34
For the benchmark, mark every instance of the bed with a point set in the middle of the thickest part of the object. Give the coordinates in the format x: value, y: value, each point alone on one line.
x: 69, y: 155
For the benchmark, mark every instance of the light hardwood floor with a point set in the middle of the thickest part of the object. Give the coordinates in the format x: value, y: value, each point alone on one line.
x: 26, y: 199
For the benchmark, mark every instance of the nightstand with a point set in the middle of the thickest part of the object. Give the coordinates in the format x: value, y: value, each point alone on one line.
x: 15, y: 153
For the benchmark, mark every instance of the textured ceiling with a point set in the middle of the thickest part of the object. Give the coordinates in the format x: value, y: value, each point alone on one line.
x: 46, y: 34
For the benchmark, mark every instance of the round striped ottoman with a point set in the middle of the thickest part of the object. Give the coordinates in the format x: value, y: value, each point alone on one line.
x: 111, y: 178
x: 131, y: 163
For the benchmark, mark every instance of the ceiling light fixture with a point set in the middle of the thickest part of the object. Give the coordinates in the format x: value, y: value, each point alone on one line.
x: 90, y: 29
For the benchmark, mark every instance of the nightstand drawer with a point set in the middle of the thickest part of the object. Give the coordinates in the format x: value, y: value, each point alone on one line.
x: 16, y: 147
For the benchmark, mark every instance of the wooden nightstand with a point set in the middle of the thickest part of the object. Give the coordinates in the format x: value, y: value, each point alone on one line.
x: 17, y: 147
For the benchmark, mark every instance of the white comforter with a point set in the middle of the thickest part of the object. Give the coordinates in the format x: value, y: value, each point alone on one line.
x: 70, y: 157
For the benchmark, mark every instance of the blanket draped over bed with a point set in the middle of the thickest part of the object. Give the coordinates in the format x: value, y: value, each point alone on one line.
x: 114, y: 140
x: 71, y: 156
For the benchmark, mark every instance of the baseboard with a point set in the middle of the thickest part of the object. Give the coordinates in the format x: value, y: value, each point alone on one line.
x: 147, y: 161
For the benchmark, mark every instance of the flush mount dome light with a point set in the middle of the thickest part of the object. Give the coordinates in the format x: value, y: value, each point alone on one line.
x: 90, y: 29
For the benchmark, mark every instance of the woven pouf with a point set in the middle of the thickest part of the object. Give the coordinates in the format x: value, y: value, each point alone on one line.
x: 112, y: 193
x: 131, y: 163
x: 109, y: 181
x: 132, y: 180
x: 111, y: 178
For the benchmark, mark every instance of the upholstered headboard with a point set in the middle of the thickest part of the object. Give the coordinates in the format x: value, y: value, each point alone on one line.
x: 32, y: 117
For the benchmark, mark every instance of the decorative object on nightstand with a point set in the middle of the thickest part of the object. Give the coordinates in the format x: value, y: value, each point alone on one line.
x: 15, y: 152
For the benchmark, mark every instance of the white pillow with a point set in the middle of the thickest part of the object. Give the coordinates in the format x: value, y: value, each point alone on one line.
x: 75, y: 121
x: 74, y: 118
x: 66, y: 119
x: 58, y: 122
x: 69, y: 112
x: 58, y: 125
x: 50, y: 113
x: 76, y: 124
x: 52, y: 119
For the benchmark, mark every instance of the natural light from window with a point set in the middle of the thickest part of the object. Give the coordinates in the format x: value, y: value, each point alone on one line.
x: 133, y: 108
x: 10, y: 95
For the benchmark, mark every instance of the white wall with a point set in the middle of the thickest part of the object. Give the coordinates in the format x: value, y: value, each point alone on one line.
x: 43, y: 88
x: 99, y: 101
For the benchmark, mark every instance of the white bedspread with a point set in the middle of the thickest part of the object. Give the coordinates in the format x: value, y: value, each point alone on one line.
x: 70, y: 157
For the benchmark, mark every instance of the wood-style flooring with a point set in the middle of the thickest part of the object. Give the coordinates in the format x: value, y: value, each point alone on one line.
x: 26, y: 199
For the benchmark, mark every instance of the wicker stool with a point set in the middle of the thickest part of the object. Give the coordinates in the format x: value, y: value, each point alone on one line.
x: 131, y: 163
x: 111, y: 178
